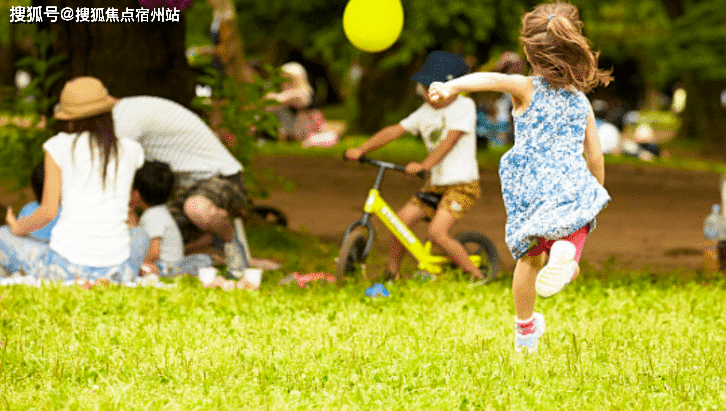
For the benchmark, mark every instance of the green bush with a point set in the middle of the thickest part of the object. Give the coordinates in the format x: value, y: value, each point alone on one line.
x: 244, y: 117
x: 21, y: 147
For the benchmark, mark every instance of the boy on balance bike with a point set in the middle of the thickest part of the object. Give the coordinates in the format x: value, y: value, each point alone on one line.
x: 447, y: 127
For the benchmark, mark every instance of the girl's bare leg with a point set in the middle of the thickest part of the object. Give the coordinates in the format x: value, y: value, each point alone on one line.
x: 525, y: 275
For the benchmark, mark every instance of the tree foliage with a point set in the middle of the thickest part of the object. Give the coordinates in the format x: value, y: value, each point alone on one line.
x: 697, y: 53
x: 474, y: 27
x: 130, y: 58
x: 666, y: 45
x: 21, y: 146
x: 674, y: 41
x: 697, y: 40
x: 670, y: 40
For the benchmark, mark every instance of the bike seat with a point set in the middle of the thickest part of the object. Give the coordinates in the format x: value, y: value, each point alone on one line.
x: 430, y: 199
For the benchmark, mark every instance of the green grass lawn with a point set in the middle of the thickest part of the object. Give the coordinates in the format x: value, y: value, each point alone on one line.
x: 615, y: 340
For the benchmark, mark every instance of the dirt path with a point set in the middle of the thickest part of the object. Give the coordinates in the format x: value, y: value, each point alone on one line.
x: 655, y: 219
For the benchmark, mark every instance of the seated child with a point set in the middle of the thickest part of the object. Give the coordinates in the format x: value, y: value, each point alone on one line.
x: 151, y: 188
x: 447, y: 127
x: 36, y: 182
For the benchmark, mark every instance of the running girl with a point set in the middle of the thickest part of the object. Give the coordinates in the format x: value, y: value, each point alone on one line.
x: 551, y: 193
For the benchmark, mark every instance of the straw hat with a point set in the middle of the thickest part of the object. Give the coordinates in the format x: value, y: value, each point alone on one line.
x: 83, y: 97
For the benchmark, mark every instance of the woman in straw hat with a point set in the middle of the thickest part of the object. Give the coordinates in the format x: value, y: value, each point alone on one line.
x: 88, y: 171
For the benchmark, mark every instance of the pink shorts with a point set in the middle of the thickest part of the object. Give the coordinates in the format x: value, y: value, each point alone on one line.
x: 577, y: 238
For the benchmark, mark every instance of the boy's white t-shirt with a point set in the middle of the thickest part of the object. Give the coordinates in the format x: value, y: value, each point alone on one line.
x: 91, y: 229
x: 171, y: 133
x: 158, y: 222
x: 433, y: 125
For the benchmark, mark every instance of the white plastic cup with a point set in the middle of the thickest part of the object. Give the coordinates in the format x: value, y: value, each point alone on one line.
x: 207, y: 275
x: 253, y: 276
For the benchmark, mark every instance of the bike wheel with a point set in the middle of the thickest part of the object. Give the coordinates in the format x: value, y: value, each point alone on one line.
x: 477, y: 243
x: 270, y: 215
x: 351, y: 255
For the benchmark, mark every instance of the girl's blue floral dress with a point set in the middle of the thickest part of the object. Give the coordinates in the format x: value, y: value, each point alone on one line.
x: 547, y: 188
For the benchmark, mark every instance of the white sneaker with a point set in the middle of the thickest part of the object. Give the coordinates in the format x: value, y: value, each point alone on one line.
x: 528, y: 338
x: 559, y: 270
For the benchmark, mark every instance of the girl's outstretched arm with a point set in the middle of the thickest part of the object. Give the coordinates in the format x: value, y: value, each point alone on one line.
x: 593, y: 150
x: 519, y: 87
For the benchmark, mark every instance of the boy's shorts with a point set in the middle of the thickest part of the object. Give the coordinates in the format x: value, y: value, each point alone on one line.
x: 455, y: 198
x: 227, y: 192
x: 577, y: 238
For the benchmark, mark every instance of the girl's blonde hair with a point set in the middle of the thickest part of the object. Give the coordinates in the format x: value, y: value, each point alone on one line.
x: 558, y: 51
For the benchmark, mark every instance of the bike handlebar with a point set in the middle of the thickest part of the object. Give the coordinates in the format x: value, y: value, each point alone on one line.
x: 388, y: 165
x: 381, y: 163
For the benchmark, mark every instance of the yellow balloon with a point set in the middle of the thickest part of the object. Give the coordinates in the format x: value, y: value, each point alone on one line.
x: 373, y: 25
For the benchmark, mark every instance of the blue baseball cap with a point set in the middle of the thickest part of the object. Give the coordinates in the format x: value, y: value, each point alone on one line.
x: 441, y: 66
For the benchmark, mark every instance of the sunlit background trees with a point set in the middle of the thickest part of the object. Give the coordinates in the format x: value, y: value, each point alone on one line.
x: 653, y: 45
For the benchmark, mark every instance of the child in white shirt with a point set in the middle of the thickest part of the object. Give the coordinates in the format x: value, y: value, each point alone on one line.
x: 447, y: 127
x: 151, y: 188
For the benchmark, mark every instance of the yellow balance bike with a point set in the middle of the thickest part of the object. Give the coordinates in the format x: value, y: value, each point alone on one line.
x: 358, y: 238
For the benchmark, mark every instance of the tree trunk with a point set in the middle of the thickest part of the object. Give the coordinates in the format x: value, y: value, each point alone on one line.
x: 7, y: 63
x: 704, y: 118
x: 139, y: 58
x: 674, y: 8
x: 386, y: 93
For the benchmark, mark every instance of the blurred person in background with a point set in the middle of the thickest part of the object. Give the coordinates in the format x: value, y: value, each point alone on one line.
x: 608, y: 132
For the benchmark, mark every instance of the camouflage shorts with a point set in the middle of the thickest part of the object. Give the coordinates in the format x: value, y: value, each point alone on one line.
x: 455, y: 198
x: 227, y: 192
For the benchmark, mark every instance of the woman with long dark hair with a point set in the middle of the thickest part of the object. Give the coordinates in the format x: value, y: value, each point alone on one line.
x: 89, y: 172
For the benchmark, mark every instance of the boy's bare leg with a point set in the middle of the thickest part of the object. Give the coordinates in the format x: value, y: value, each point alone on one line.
x: 525, y: 276
x: 439, y: 234
x: 410, y: 214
